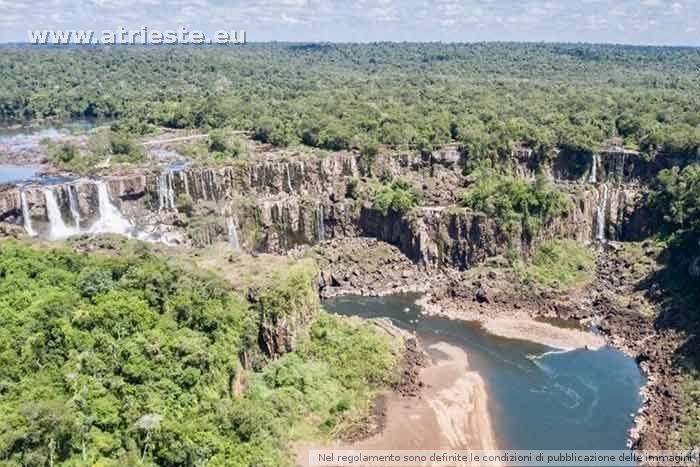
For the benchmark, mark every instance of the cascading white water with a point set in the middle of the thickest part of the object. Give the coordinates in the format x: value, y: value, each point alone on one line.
x: 26, y: 215
x: 289, y: 179
x: 110, y: 220
x: 594, y: 168
x: 621, y: 173
x: 183, y: 175
x: 204, y: 186
x: 602, y: 204
x: 57, y: 227
x: 74, y: 207
x: 166, y: 193
x: 233, y: 233
x: 320, y: 226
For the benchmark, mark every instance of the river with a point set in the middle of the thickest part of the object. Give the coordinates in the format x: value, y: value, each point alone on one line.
x: 538, y: 398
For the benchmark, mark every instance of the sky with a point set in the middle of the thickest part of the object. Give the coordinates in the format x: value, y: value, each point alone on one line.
x: 653, y: 22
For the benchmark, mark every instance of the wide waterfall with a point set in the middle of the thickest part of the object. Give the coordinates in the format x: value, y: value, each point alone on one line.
x: 602, y: 204
x: 57, y: 227
x: 594, y: 168
x: 166, y: 193
x: 233, y: 233
x: 320, y: 226
x: 26, y: 216
x: 110, y: 220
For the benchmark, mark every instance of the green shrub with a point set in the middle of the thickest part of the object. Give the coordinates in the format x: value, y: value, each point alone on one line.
x: 515, y: 202
x: 561, y: 265
x: 397, y: 197
x: 65, y: 153
x: 129, y: 360
x: 94, y: 281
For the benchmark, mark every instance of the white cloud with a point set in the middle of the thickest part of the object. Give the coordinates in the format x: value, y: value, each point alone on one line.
x: 668, y: 21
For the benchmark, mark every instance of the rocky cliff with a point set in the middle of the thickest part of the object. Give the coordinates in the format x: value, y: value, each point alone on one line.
x: 278, y: 204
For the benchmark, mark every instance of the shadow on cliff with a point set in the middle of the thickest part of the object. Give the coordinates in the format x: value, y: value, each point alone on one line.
x: 676, y: 293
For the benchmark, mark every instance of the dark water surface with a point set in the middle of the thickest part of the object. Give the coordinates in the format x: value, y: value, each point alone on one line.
x: 538, y: 398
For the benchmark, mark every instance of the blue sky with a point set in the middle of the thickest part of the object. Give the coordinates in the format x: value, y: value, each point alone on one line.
x: 672, y: 22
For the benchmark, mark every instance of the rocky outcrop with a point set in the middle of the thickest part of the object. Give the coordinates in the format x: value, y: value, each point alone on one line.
x: 437, y: 237
x: 286, y: 306
x: 460, y: 238
x: 368, y: 267
x: 279, y: 204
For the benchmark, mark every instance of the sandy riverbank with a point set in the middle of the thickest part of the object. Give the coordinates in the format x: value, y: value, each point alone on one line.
x: 450, y: 412
x: 518, y: 325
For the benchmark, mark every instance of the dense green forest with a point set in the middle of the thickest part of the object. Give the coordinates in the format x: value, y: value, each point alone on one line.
x: 353, y: 96
x: 129, y: 360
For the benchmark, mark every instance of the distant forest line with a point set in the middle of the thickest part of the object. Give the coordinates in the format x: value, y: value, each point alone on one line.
x: 349, y: 96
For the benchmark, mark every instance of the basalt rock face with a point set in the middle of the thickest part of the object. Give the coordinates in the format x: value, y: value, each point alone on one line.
x: 459, y: 238
x: 435, y: 237
x: 285, y: 196
x: 276, y: 205
x: 287, y: 306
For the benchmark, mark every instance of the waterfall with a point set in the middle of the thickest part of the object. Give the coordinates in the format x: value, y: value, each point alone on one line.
x: 74, y: 207
x: 594, y: 168
x: 183, y: 174
x: 621, y: 172
x: 26, y: 215
x: 320, y: 227
x: 204, y: 186
x: 166, y: 193
x: 602, y: 203
x: 233, y: 233
x: 289, y: 179
x: 110, y: 220
x: 57, y: 228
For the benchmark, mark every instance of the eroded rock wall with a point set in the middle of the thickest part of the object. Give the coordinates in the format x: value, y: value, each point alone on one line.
x: 277, y: 205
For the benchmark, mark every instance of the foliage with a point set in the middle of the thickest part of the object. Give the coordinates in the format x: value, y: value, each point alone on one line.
x: 688, y: 435
x: 126, y: 360
x: 334, y: 374
x: 337, y: 96
x: 102, y: 145
x: 561, y: 265
x: 288, y: 291
x: 124, y: 148
x: 220, y: 146
x: 397, y: 196
x: 677, y: 201
x: 515, y: 202
x: 63, y: 153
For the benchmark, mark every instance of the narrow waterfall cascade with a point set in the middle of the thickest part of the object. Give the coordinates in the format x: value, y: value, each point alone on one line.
x: 111, y: 219
x: 289, y: 179
x: 26, y: 216
x: 601, y: 224
x: 166, y: 193
x: 594, y: 168
x: 620, y: 173
x: 233, y: 233
x: 320, y: 226
x: 204, y: 186
x: 74, y: 207
x: 186, y: 182
x: 57, y: 227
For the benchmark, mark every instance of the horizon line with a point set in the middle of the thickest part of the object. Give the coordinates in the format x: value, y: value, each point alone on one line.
x: 377, y: 42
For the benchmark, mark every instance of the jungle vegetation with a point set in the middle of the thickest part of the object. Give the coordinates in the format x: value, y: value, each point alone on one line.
x: 130, y: 360
x: 338, y: 96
